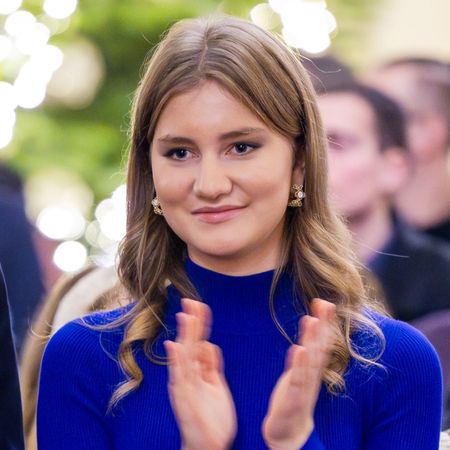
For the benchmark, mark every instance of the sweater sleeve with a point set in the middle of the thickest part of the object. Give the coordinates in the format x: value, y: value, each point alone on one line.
x: 407, y: 396
x: 72, y: 398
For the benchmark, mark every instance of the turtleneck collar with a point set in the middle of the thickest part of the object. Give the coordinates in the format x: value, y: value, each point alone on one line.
x: 240, y: 304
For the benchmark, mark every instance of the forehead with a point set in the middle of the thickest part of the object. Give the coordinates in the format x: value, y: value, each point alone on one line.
x: 346, y: 111
x: 207, y: 107
x: 400, y: 83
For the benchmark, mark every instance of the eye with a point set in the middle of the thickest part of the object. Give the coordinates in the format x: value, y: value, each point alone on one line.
x: 334, y: 143
x: 178, y: 154
x: 244, y: 148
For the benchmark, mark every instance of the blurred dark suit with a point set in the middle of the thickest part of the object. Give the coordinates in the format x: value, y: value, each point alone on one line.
x: 20, y: 264
x: 416, y: 280
x: 11, y: 434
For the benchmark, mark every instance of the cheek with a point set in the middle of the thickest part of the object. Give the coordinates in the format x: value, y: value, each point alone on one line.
x: 350, y: 170
x: 171, y: 184
x: 352, y: 178
x: 265, y: 181
x: 417, y: 138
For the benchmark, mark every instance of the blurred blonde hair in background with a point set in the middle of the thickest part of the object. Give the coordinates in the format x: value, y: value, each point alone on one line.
x: 74, y: 295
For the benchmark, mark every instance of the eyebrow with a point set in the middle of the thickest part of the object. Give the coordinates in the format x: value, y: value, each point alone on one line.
x: 229, y: 135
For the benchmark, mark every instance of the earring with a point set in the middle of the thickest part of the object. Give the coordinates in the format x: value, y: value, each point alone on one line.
x: 157, y: 207
x: 298, y: 194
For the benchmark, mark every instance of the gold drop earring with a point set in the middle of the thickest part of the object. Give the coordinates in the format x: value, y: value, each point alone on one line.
x: 298, y: 194
x: 157, y: 207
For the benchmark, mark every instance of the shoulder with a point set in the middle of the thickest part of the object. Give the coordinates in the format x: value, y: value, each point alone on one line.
x: 79, y: 370
x: 108, y: 317
x: 424, y: 247
x: 402, y: 342
x: 402, y: 395
x: 86, y: 339
x: 406, y: 354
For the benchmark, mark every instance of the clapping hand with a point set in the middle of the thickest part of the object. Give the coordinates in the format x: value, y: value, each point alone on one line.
x: 290, y: 417
x: 199, y: 394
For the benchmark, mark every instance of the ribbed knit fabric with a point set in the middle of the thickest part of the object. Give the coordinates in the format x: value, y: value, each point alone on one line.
x: 398, y: 407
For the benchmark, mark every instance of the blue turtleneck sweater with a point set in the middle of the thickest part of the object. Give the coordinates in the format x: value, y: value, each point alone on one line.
x: 391, y: 408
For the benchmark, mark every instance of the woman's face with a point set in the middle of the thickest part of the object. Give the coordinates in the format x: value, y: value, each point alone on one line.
x: 210, y: 151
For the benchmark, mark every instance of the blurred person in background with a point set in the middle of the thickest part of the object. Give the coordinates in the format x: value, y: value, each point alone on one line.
x: 11, y: 435
x: 18, y: 256
x: 422, y: 87
x: 369, y: 164
x: 74, y: 295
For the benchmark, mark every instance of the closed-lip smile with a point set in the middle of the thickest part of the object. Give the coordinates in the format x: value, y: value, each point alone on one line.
x: 217, y: 209
x: 218, y: 214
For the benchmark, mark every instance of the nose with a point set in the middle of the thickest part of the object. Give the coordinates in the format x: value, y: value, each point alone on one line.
x: 211, y: 180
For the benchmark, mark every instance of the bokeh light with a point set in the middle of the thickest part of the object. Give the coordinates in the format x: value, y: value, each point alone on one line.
x: 28, y: 62
x: 6, y: 46
x: 77, y: 81
x: 35, y: 37
x: 306, y: 24
x: 19, y: 23
x: 8, y: 104
x: 60, y: 9
x: 61, y: 222
x: 264, y: 16
x: 70, y: 256
x: 57, y: 187
x: 111, y: 215
x: 9, y: 6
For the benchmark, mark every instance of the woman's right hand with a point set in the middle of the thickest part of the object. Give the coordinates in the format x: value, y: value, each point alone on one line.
x: 198, y: 391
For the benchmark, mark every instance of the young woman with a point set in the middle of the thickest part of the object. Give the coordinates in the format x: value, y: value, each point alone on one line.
x: 233, y: 260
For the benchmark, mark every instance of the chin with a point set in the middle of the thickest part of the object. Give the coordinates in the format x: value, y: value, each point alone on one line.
x: 224, y: 249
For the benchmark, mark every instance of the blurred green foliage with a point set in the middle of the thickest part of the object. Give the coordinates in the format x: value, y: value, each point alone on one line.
x: 92, y: 141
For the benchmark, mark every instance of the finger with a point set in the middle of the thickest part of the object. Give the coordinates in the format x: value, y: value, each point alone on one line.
x: 326, y: 313
x: 308, y: 327
x: 182, y: 327
x: 313, y: 374
x: 317, y: 338
x: 174, y: 368
x: 323, y: 309
x: 206, y: 321
x: 299, y: 363
x: 305, y: 374
x: 312, y: 340
x: 211, y: 360
x: 202, y: 313
x: 188, y: 305
x: 190, y: 308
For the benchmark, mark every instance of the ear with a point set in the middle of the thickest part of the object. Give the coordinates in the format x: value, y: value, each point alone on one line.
x: 437, y: 134
x: 395, y: 170
x: 298, y: 170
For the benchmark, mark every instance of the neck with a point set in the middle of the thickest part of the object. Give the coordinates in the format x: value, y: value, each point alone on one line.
x: 265, y: 257
x: 425, y: 199
x: 241, y: 303
x: 372, y: 230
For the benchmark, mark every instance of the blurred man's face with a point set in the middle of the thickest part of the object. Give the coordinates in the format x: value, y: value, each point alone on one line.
x: 425, y: 127
x: 356, y: 163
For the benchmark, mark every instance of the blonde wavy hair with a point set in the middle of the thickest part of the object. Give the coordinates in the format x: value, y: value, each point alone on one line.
x: 261, y: 72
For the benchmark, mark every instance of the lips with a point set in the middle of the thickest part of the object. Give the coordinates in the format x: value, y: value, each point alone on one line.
x: 217, y: 215
x: 217, y: 209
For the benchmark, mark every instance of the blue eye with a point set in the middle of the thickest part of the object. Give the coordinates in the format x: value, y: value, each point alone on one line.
x: 243, y: 148
x: 180, y: 153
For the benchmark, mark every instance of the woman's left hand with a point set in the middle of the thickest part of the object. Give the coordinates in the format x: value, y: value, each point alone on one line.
x: 290, y: 417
